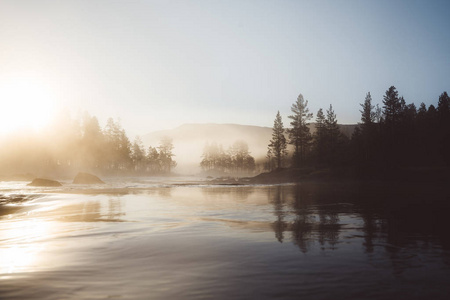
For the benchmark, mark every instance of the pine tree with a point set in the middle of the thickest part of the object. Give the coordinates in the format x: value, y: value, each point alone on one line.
x: 299, y: 134
x: 118, y: 145
x: 91, y: 143
x: 392, y: 106
x: 367, y: 113
x: 443, y: 109
x: 270, y: 159
x: 319, y: 136
x: 138, y: 154
x: 368, y: 118
x: 277, y: 146
x: 154, y: 163
x: 422, y: 111
x: 166, y: 154
x: 392, y: 112
x: 332, y: 135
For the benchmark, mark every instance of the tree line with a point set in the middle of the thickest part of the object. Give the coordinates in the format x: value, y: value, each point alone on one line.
x: 394, y: 135
x: 73, y: 145
x: 235, y: 160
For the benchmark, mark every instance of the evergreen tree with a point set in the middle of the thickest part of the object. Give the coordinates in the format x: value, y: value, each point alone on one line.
x: 422, y: 111
x: 299, y: 134
x: 118, y: 146
x: 166, y: 154
x: 392, y: 112
x: 277, y: 146
x: 239, y: 154
x: 236, y: 160
x: 378, y: 114
x: 319, y: 137
x: 92, y: 141
x: 153, y: 161
x: 367, y: 113
x: 443, y: 110
x: 270, y: 159
x: 392, y: 106
x: 206, y: 163
x: 332, y: 134
x: 138, y: 154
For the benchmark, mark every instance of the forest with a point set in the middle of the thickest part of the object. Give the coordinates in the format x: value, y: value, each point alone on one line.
x: 71, y: 145
x: 395, y: 135
x: 236, y: 160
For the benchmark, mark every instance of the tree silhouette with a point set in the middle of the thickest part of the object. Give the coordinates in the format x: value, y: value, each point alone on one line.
x: 138, y: 154
x: 236, y: 160
x: 392, y: 109
x: 118, y: 146
x: 392, y: 106
x: 299, y: 134
x: 153, y: 161
x: 277, y: 146
x: 332, y: 134
x: 166, y: 154
x: 368, y: 130
x: 367, y: 113
x: 320, y: 137
x: 443, y: 110
x: 91, y: 143
x: 241, y: 159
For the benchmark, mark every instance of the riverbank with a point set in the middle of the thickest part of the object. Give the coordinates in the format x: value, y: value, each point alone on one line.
x: 296, y: 175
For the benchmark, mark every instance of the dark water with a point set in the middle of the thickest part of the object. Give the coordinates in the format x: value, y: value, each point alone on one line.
x: 307, y: 241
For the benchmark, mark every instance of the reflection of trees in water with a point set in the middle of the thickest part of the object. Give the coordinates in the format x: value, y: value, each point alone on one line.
x: 369, y: 229
x: 87, y: 211
x: 114, y: 208
x: 305, y: 225
x: 328, y: 227
x: 409, y: 228
x: 93, y: 211
x: 302, y: 227
x: 165, y: 192
x: 407, y: 216
x: 238, y: 193
x: 397, y: 222
x: 400, y: 220
x: 302, y: 233
x: 276, y: 197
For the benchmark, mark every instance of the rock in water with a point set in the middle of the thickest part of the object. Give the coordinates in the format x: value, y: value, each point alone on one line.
x: 44, y: 182
x: 86, y: 178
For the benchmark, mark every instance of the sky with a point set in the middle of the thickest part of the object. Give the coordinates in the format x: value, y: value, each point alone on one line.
x: 159, y: 64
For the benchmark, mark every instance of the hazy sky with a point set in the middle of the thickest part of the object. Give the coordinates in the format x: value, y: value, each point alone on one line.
x: 159, y: 64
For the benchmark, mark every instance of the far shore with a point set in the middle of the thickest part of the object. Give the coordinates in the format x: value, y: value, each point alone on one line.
x: 298, y: 175
x: 289, y: 176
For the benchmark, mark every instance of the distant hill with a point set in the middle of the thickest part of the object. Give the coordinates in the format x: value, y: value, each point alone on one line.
x: 190, y: 139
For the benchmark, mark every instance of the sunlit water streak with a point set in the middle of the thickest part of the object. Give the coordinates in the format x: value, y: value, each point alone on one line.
x: 151, y: 239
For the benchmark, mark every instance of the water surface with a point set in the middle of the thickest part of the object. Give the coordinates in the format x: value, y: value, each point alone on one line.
x: 141, y: 239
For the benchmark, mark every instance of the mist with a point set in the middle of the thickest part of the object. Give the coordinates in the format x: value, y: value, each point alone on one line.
x: 67, y: 146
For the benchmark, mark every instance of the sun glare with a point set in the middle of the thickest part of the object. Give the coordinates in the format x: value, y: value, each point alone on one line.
x: 23, y: 252
x: 26, y: 103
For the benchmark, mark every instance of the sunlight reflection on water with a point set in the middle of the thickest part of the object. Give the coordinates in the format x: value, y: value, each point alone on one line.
x: 21, y: 253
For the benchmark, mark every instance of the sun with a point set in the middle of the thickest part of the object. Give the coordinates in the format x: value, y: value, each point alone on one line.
x: 26, y: 103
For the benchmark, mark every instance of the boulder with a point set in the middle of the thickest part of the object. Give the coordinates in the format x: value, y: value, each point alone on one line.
x: 44, y: 182
x: 86, y: 178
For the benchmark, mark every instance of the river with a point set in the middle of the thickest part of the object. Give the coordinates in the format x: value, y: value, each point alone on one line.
x: 142, y: 238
